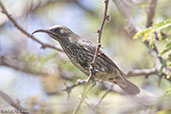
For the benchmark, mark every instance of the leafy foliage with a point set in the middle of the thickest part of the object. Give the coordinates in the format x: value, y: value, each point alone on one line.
x: 154, y: 33
x: 155, y: 28
x: 168, y: 91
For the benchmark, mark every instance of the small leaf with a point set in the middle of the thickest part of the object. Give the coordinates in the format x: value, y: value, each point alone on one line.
x: 168, y: 45
x: 145, y: 36
x: 169, y: 32
x: 142, y: 33
x: 169, y: 58
x: 151, y: 43
x: 159, y: 35
x: 169, y: 65
x: 162, y: 23
x: 168, y: 91
x: 137, y: 35
x: 164, y: 51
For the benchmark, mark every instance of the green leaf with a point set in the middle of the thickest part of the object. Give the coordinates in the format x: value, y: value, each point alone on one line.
x: 169, y: 58
x: 168, y: 45
x: 164, y: 24
x: 169, y: 65
x: 168, y: 91
x: 164, y: 51
x: 151, y: 43
x: 145, y: 36
x: 155, y: 28
x: 169, y: 32
x: 142, y: 33
x: 159, y: 35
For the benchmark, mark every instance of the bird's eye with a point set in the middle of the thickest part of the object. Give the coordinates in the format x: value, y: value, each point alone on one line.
x: 57, y: 30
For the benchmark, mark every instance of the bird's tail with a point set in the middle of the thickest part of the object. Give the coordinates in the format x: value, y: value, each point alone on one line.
x: 131, y: 88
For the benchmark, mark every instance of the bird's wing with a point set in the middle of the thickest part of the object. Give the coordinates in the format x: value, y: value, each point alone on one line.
x: 89, y: 46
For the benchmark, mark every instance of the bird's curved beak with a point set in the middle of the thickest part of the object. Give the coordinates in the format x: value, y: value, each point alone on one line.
x: 45, y: 31
x: 40, y: 30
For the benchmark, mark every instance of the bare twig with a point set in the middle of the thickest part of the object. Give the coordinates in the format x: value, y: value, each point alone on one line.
x: 104, y: 95
x: 43, y: 45
x: 141, y: 72
x: 131, y: 73
x: 12, y: 103
x: 69, y: 88
x: 83, y: 95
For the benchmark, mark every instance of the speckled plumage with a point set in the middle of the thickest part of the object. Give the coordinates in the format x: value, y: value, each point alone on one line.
x: 81, y: 53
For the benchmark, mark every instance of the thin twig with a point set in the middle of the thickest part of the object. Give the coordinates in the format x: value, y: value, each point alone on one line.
x: 69, y: 88
x: 141, y: 72
x: 43, y: 45
x: 12, y: 103
x: 131, y: 73
x: 104, y: 95
x: 83, y: 95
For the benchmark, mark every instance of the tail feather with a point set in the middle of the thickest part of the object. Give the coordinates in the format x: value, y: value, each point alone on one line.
x: 131, y: 88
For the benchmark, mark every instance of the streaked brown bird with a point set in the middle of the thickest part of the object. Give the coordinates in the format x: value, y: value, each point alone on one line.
x: 81, y: 53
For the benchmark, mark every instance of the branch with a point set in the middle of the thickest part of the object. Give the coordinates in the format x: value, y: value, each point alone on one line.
x: 12, y: 103
x: 151, y: 12
x: 92, y: 65
x: 135, y: 72
x: 69, y: 88
x: 43, y: 45
x: 17, y: 65
x: 142, y: 72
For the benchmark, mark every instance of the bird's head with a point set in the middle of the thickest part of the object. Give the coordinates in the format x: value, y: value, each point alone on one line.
x: 60, y: 33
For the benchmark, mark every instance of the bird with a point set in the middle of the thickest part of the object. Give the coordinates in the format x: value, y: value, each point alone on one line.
x: 81, y: 52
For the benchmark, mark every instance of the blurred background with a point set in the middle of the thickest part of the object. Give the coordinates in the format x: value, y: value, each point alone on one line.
x: 36, y: 77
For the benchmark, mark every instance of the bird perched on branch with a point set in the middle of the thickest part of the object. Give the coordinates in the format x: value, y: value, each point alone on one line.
x: 81, y: 53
